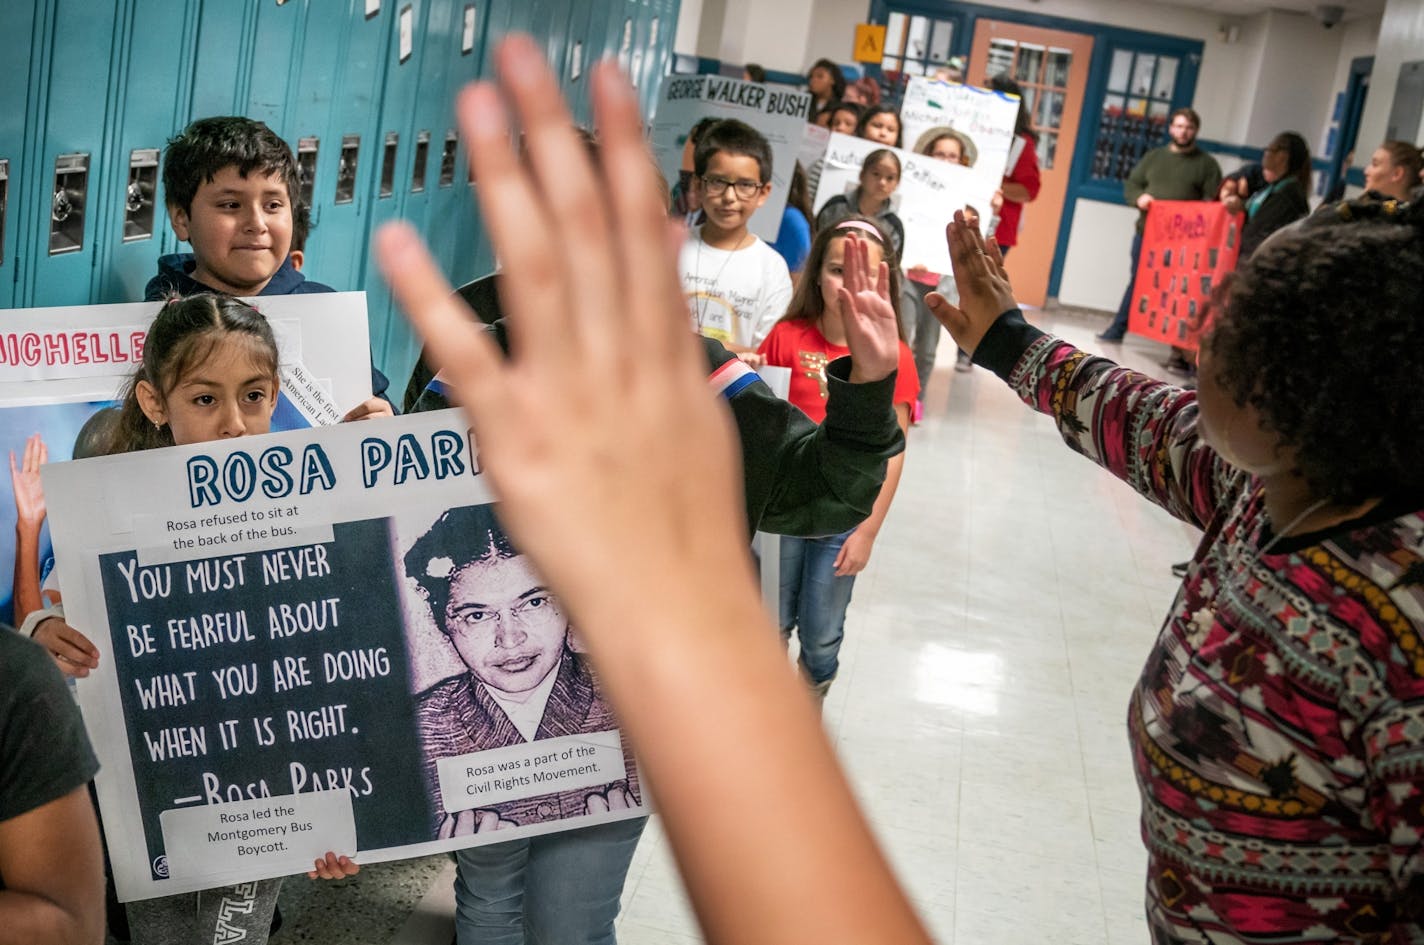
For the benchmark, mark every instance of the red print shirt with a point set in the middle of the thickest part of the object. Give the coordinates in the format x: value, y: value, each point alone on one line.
x: 799, y: 345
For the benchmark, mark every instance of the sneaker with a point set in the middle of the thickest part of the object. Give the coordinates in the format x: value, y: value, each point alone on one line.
x: 1180, y: 568
x: 1108, y: 336
x: 963, y: 364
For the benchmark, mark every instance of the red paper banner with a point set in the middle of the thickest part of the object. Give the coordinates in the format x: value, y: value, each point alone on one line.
x: 1187, y: 246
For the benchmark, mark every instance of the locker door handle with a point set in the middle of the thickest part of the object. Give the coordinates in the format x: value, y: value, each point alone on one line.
x: 60, y: 206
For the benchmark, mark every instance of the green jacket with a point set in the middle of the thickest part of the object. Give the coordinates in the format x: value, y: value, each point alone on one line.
x: 1168, y: 175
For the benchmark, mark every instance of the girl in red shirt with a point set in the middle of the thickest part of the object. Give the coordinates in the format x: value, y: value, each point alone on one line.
x: 850, y: 260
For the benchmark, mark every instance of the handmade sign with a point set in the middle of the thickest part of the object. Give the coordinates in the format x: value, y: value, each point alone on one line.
x: 986, y: 116
x: 779, y: 112
x: 59, y: 367
x: 1187, y: 247
x: 288, y: 667
x: 929, y: 192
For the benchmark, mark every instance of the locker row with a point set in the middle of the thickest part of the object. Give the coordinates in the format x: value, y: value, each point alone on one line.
x: 363, y: 91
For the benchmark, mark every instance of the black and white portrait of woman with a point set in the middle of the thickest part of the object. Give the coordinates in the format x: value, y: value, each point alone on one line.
x: 519, y: 679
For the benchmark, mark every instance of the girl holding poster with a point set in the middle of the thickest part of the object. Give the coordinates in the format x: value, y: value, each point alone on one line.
x: 209, y: 372
x: 874, y: 197
x: 818, y: 574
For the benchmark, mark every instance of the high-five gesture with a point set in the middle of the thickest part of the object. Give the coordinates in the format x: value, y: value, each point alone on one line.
x: 616, y: 469
x: 871, y: 328
x: 984, y: 290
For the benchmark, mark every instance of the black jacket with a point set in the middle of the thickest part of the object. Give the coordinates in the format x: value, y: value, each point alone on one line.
x: 799, y: 478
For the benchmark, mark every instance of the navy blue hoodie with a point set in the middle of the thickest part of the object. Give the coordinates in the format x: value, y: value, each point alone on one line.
x: 175, y: 278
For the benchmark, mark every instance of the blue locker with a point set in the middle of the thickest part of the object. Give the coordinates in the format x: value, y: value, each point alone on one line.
x: 392, y: 342
x: 472, y: 254
x: 431, y: 118
x: 318, y: 113
x: 152, y: 88
x: 18, y: 193
x: 75, y: 51
x: 275, y: 63
x: 575, y: 63
x: 221, y: 60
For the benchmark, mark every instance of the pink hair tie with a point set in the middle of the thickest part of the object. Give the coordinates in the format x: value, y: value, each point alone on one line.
x: 870, y: 228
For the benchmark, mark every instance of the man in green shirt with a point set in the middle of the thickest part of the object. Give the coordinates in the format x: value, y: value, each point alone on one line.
x: 1179, y: 171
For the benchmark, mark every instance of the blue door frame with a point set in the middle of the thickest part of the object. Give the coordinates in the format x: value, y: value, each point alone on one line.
x: 1352, y: 108
x: 1106, y: 39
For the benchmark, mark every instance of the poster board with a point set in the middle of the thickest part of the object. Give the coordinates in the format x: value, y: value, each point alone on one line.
x: 779, y: 112
x: 925, y: 200
x: 1187, y: 247
x: 986, y: 116
x: 273, y: 682
x: 61, y: 366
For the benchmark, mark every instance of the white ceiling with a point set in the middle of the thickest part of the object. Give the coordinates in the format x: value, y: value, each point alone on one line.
x: 1354, y: 9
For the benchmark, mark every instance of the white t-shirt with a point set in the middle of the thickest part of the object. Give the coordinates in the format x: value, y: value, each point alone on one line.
x: 735, y: 297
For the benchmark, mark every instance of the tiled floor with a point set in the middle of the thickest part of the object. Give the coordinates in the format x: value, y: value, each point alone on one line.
x: 990, y: 648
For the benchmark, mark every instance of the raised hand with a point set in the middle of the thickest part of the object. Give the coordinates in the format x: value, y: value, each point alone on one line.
x: 984, y: 290
x: 25, y: 480
x: 872, y: 331
x: 578, y: 429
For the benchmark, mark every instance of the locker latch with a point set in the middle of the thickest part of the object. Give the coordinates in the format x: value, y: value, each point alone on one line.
x: 71, y: 182
x: 388, y: 164
x: 346, y: 168
x: 140, y: 193
x: 422, y: 157
x: 306, y: 167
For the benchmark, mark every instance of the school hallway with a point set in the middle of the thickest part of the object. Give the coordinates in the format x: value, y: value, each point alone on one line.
x: 1007, y: 609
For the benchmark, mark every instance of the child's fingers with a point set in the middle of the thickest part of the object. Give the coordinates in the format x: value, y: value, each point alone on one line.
x: 882, y: 284
x: 657, y: 313
x: 454, y: 342
x: 533, y: 289
x: 573, y: 206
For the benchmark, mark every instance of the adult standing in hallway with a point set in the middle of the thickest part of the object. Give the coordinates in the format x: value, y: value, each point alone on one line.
x: 1177, y: 171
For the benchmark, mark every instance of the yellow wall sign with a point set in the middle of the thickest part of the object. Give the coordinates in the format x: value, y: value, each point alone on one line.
x: 869, y: 42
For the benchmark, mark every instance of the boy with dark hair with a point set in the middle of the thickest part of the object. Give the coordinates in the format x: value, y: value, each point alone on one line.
x: 231, y: 186
x: 737, y: 286
x: 301, y: 229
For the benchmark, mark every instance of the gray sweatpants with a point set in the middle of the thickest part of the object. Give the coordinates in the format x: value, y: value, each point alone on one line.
x: 223, y: 916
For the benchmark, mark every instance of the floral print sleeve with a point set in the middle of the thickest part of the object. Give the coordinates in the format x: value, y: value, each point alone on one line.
x: 1141, y: 430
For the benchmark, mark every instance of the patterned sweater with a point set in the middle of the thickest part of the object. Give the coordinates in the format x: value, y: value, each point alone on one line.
x: 1278, y: 726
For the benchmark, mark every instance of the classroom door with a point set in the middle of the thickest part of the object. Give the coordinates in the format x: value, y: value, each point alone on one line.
x: 1052, y: 67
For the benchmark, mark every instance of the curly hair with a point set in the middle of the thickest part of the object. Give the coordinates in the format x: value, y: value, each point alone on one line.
x: 1323, y: 333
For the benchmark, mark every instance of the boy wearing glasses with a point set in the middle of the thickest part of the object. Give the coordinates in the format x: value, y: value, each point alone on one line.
x: 737, y: 286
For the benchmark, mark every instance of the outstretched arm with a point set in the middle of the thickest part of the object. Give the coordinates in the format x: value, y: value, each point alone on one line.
x: 1141, y: 430
x: 746, y: 790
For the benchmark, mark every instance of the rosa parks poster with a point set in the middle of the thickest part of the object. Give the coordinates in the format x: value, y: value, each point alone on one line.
x: 59, y: 367
x: 779, y: 112
x: 289, y: 667
x: 1188, y: 246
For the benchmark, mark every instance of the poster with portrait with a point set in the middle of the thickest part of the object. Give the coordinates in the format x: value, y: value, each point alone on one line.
x: 928, y: 193
x: 321, y: 640
x: 59, y: 367
x: 986, y: 116
x: 1188, y: 246
x: 779, y: 112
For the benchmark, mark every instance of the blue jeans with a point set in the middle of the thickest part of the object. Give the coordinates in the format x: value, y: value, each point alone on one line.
x: 555, y: 889
x: 814, y: 601
x: 1118, y: 328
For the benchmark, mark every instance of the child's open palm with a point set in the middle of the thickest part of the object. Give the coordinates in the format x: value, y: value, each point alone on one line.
x: 872, y: 330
